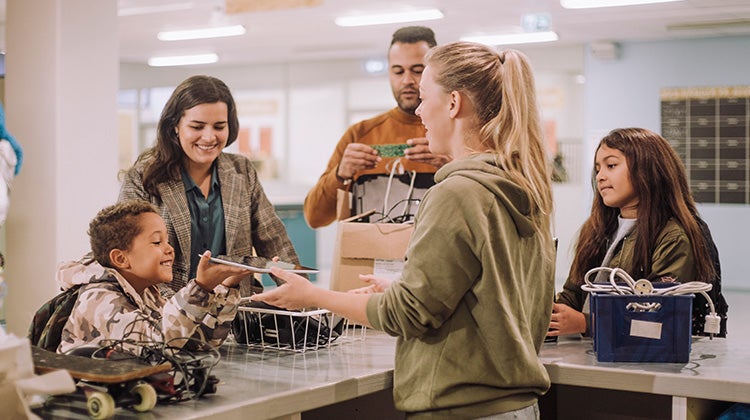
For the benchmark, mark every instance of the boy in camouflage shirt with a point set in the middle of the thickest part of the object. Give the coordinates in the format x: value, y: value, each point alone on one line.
x: 120, y: 300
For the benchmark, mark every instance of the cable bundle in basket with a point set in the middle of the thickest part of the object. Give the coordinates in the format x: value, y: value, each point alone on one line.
x: 267, y: 326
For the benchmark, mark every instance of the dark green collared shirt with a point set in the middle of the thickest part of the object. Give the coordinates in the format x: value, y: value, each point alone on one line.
x: 206, y: 219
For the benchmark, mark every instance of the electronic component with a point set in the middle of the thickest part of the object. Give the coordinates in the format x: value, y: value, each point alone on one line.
x: 391, y: 150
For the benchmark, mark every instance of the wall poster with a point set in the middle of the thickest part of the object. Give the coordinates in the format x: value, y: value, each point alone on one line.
x: 262, y: 132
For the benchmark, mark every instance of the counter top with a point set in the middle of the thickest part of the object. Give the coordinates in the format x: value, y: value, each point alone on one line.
x: 718, y: 369
x: 273, y: 383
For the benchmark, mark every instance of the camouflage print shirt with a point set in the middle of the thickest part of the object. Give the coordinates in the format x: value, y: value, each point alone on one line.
x: 108, y: 308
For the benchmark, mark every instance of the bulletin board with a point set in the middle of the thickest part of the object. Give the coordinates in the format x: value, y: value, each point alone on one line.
x: 709, y: 127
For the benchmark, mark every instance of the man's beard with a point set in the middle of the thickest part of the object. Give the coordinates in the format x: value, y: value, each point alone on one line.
x: 407, y: 105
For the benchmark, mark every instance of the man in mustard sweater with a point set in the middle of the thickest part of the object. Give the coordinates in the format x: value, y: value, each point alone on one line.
x: 354, y: 156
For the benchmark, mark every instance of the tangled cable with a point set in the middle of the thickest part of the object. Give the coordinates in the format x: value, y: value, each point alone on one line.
x: 191, y: 363
x: 406, y: 217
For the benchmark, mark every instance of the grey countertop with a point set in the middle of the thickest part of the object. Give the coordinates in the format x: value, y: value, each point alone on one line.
x: 718, y: 369
x: 273, y: 383
x: 263, y: 384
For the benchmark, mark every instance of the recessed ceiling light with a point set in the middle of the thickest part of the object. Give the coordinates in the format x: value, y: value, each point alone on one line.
x: 375, y: 65
x: 590, y: 4
x: 159, y: 8
x: 201, y: 33
x: 389, y: 17
x: 183, y: 60
x: 511, y: 39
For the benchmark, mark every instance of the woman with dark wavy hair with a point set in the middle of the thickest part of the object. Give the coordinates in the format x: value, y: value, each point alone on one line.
x: 209, y: 199
x: 643, y: 220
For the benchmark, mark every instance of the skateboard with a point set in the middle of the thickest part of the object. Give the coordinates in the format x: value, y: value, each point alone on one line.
x: 107, y: 384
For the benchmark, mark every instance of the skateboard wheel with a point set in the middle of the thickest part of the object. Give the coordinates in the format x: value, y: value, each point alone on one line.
x: 100, y: 405
x: 147, y: 396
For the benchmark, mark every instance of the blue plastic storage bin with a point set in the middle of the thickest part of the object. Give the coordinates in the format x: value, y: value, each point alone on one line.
x: 624, y: 335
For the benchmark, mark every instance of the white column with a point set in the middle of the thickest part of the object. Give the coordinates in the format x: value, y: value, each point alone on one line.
x: 61, y: 105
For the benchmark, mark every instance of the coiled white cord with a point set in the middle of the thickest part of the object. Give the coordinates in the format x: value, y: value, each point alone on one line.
x: 645, y: 287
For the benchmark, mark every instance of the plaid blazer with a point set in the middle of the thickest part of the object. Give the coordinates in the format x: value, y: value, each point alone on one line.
x: 250, y: 219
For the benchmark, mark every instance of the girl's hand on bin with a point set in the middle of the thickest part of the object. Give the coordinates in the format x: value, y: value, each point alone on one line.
x: 566, y: 320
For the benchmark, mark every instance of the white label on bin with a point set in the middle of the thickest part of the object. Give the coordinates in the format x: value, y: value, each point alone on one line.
x: 646, y: 329
x: 388, y: 269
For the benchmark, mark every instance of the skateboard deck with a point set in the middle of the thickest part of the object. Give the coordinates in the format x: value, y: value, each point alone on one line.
x: 95, y: 370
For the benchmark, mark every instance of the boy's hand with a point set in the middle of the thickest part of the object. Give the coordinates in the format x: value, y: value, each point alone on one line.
x: 209, y: 275
x: 232, y: 281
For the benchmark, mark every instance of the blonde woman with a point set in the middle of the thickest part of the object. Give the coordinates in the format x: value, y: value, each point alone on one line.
x: 472, y: 307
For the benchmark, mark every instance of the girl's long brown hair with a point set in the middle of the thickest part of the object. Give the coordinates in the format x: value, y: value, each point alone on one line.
x: 659, y: 179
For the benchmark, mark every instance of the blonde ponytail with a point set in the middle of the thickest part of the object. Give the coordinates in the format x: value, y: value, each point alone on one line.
x: 501, y: 87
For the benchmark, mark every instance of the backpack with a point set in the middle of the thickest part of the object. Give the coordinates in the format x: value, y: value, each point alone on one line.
x: 48, y: 322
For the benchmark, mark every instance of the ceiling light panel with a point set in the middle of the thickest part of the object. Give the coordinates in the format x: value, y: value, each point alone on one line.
x: 513, y: 38
x: 590, y: 4
x: 158, y: 8
x: 389, y: 17
x: 183, y: 60
x: 202, y: 33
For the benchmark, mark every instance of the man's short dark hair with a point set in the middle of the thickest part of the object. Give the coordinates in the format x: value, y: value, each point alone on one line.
x: 414, y: 34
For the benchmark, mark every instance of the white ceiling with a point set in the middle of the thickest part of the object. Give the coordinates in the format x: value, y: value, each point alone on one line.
x: 309, y: 34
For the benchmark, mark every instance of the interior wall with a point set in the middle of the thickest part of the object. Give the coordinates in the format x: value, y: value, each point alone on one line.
x: 625, y: 92
x: 69, y: 168
x: 2, y: 98
x: 324, y: 98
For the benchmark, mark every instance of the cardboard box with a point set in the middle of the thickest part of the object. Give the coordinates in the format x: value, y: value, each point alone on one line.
x: 362, y: 247
x: 622, y: 333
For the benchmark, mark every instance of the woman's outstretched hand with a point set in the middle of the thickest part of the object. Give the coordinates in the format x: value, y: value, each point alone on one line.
x: 374, y: 284
x: 296, y: 293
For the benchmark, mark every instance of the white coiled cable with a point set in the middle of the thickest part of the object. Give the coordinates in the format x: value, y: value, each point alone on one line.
x: 642, y: 287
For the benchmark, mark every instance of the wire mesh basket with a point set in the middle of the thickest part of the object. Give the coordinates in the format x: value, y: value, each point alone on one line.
x: 263, y: 326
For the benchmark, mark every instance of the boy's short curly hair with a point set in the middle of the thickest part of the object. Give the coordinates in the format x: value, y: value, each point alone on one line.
x: 115, y: 227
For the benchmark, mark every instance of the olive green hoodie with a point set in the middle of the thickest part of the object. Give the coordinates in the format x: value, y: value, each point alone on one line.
x: 474, y: 302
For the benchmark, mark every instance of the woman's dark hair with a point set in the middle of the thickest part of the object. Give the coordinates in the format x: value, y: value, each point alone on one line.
x: 659, y: 180
x: 164, y: 160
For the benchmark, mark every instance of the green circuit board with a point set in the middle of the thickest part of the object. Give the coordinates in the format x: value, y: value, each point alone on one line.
x: 391, y: 150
